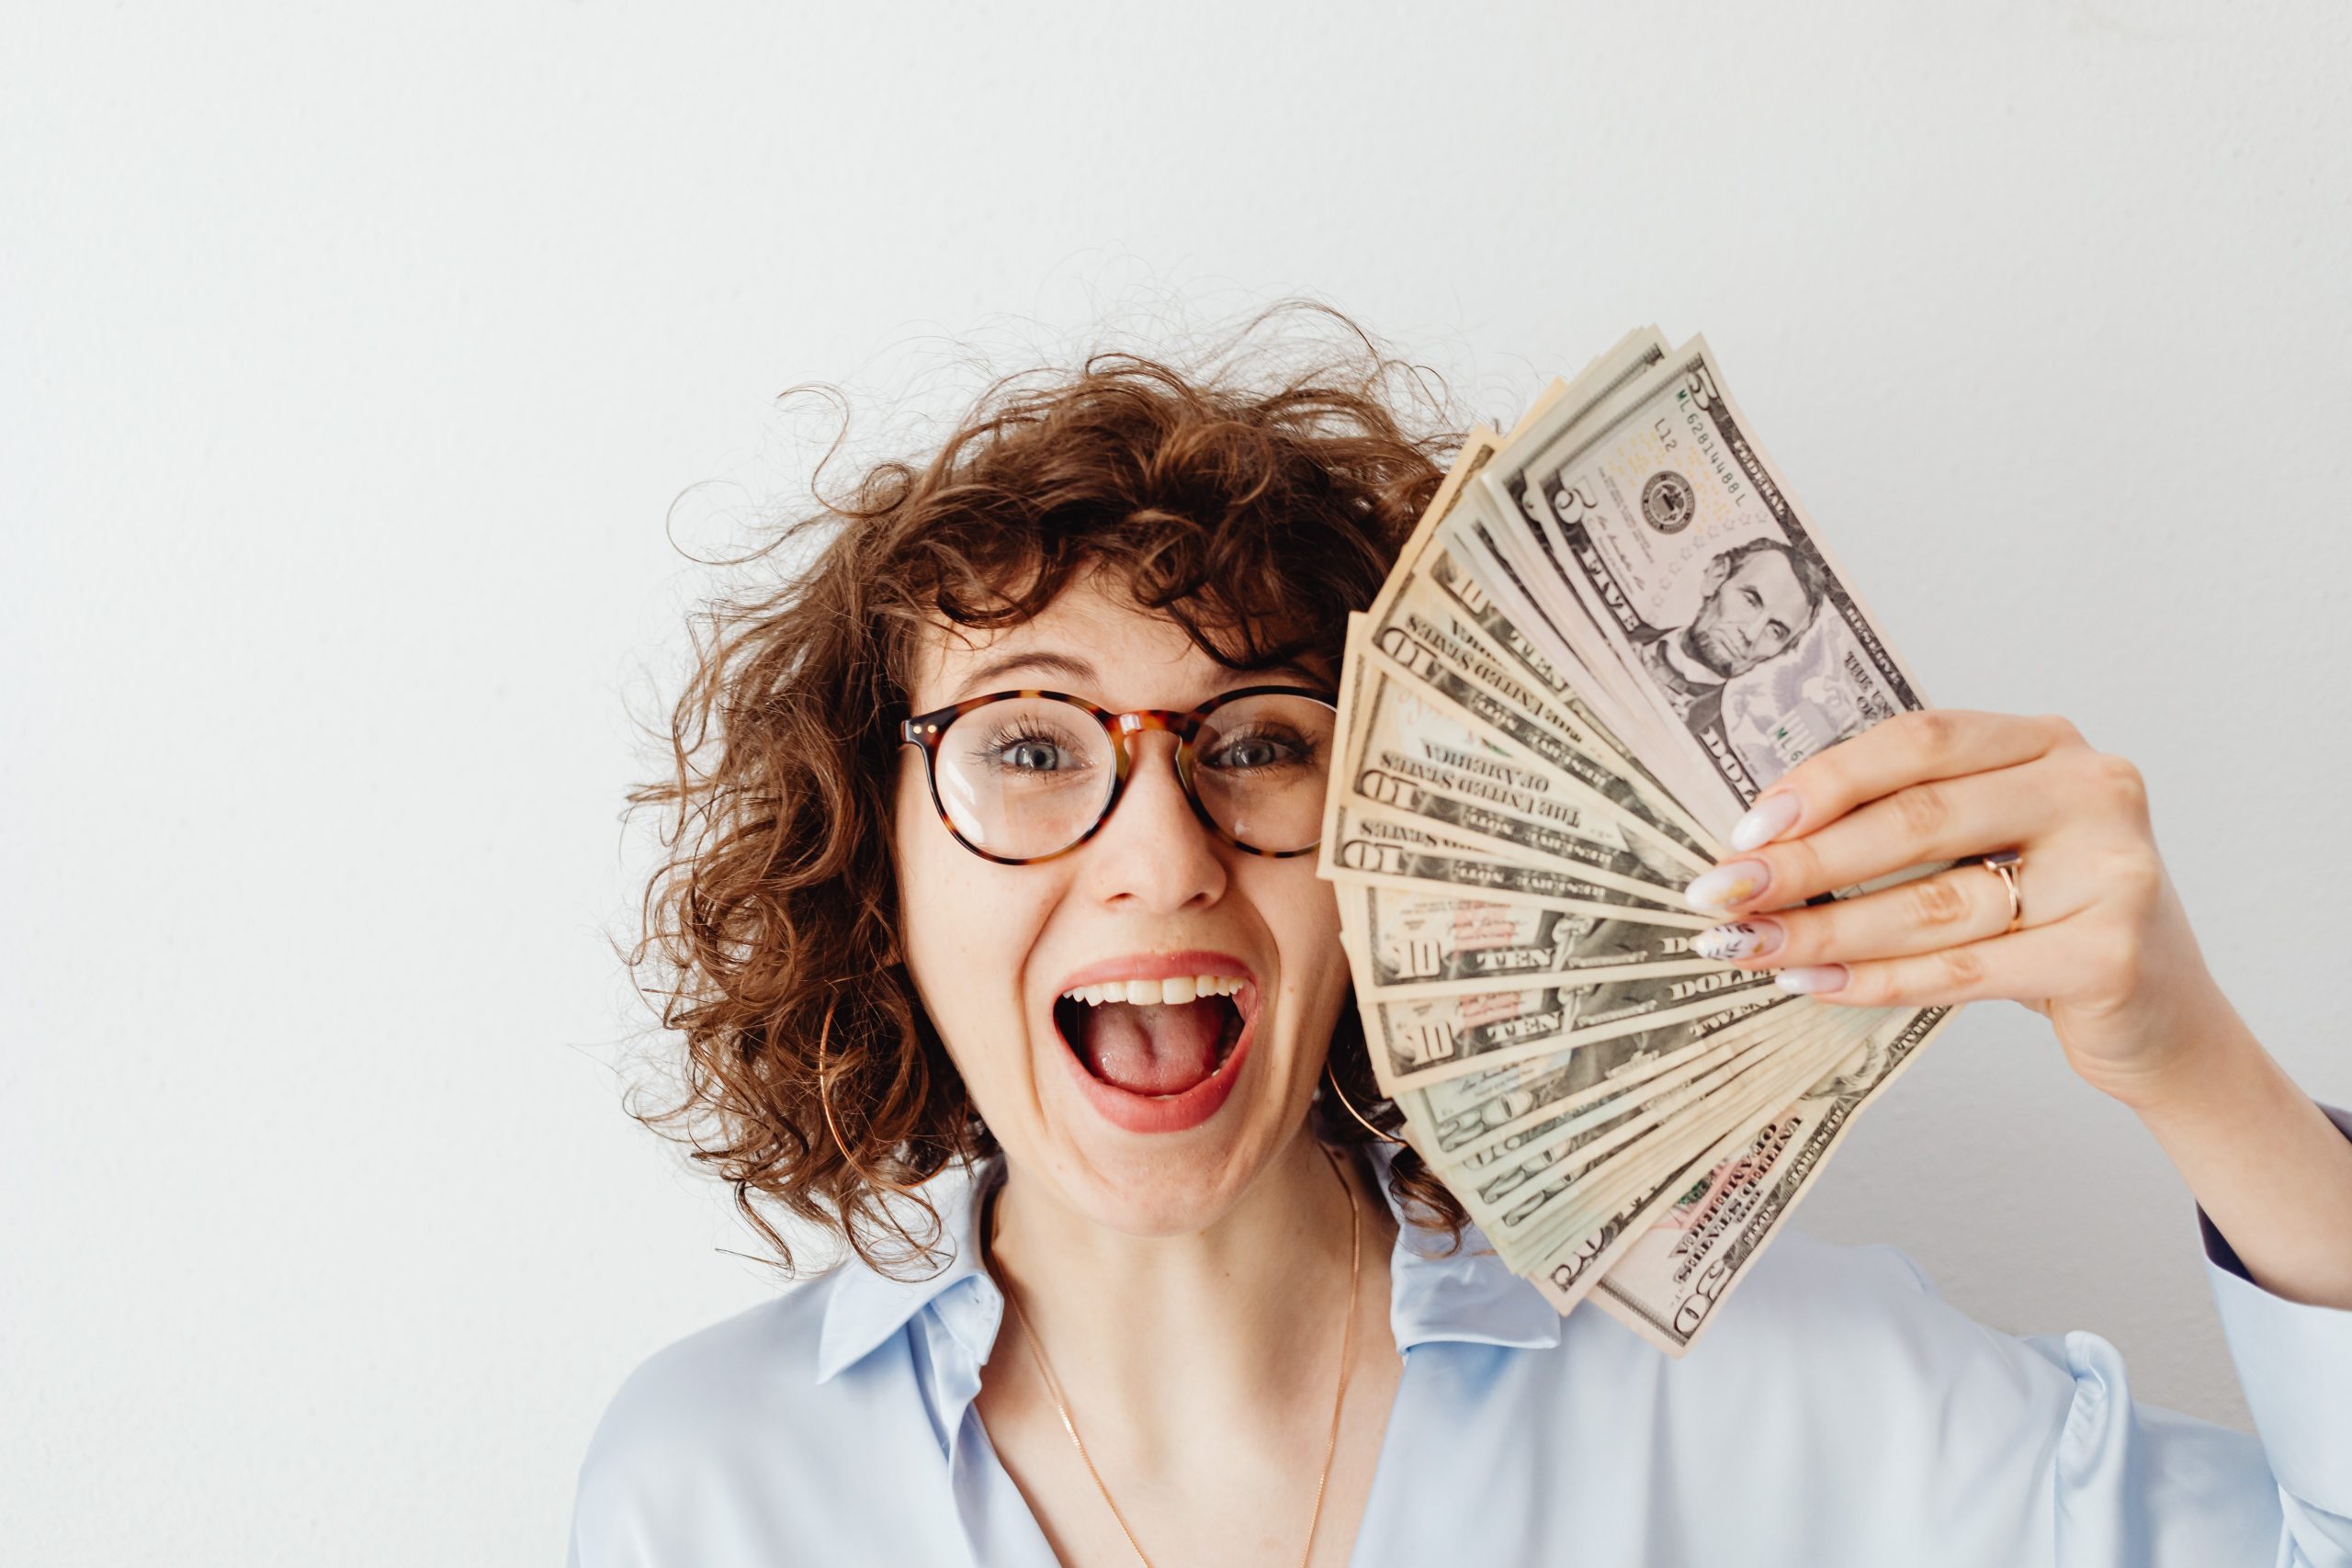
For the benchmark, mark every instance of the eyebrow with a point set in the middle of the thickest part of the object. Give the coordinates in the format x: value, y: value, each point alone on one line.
x: 1083, y: 673
x: 1070, y: 665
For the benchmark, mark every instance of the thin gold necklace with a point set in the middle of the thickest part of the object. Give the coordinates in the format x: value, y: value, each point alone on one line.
x: 1347, y: 1351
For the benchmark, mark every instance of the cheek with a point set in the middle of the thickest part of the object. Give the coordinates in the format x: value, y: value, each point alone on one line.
x: 1301, y: 911
x: 938, y: 950
x: 967, y: 971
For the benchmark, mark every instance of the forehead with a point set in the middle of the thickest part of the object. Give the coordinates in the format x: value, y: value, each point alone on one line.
x: 1090, y: 640
x: 1765, y: 568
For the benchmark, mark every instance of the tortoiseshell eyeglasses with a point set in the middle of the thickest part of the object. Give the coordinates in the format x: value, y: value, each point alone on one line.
x: 1023, y: 776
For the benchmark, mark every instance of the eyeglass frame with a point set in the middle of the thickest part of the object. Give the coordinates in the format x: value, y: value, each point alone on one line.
x: 927, y: 729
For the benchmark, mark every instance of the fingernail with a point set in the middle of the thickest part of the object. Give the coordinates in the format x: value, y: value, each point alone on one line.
x: 1766, y: 820
x: 1806, y: 979
x: 1729, y: 886
x: 1741, y: 939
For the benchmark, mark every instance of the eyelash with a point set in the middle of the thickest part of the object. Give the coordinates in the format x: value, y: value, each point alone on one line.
x: 1303, y: 749
x: 1020, y: 730
x: 1028, y: 731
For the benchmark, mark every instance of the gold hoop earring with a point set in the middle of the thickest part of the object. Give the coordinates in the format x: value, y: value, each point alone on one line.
x: 824, y: 1095
x: 825, y: 1104
x: 970, y: 1111
x: 1333, y: 1079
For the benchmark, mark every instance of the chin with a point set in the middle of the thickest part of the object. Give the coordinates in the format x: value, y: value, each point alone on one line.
x: 1719, y: 659
x: 1171, y: 1163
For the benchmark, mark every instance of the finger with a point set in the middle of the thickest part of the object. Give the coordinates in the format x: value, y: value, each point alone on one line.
x: 1910, y: 747
x: 2030, y: 967
x: 1953, y: 907
x: 1922, y: 823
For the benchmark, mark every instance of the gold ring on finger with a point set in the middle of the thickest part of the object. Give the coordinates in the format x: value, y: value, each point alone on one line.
x: 2008, y: 866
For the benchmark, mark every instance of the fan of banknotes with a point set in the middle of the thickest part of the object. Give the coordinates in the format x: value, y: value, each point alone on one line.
x: 1610, y: 631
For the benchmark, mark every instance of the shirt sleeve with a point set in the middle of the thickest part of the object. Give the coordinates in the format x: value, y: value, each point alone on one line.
x: 2136, y: 1483
x: 2294, y: 1363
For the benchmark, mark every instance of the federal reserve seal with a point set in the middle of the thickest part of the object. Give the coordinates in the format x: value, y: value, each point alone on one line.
x: 1667, y: 501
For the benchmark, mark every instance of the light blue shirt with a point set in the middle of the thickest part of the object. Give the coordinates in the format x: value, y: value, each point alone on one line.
x: 1839, y: 1413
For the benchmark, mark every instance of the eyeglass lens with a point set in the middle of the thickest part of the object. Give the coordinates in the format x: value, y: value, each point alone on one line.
x: 1029, y: 776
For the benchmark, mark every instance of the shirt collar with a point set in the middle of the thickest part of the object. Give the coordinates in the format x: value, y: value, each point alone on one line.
x: 868, y: 1307
x: 1466, y: 1296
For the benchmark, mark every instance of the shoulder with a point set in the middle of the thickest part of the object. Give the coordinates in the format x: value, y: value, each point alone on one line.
x: 1839, y: 1410
x: 714, y: 1437
x: 1855, y: 1318
x: 1928, y: 1424
x: 760, y: 1356
x: 1804, y: 1289
x: 1848, y: 1353
x: 1839, y: 1375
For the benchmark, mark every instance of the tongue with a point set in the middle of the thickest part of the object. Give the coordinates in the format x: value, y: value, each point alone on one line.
x: 1152, y: 1048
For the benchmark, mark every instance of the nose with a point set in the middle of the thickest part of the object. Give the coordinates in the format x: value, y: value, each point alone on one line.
x: 1153, y: 854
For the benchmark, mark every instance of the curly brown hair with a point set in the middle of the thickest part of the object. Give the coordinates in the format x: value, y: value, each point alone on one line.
x: 1255, y: 499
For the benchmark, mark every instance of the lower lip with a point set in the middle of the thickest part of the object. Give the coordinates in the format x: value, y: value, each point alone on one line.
x: 1163, y: 1113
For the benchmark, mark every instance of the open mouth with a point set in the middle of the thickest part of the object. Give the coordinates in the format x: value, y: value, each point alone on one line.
x: 1155, y: 1038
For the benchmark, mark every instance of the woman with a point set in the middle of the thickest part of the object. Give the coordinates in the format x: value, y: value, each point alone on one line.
x: 1136, y: 1279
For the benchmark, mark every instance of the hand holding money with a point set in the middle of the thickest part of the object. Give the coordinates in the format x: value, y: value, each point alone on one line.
x: 1614, y: 678
x: 2100, y: 943
x: 1607, y: 637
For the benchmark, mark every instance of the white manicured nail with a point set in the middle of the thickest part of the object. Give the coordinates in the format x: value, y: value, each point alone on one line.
x: 1766, y: 820
x: 1808, y: 978
x: 1741, y: 939
x: 1729, y: 884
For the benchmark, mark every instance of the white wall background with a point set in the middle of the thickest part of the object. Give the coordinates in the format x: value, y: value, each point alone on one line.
x: 353, y: 361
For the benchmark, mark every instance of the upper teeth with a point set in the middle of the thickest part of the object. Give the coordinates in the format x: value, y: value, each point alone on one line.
x: 1183, y: 989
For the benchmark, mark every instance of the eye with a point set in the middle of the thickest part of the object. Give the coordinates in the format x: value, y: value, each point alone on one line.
x: 1778, y: 628
x: 1032, y: 756
x: 1026, y: 748
x: 1751, y: 596
x: 1258, y: 747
